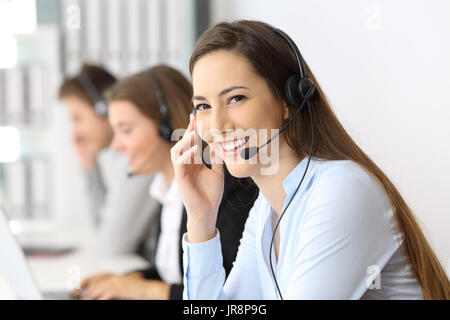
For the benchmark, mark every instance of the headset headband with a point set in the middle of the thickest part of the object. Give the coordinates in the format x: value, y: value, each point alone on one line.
x: 298, y: 56
x: 164, y: 128
x: 100, y: 104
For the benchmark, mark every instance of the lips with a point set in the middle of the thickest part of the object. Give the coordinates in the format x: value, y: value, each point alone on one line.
x: 232, y: 147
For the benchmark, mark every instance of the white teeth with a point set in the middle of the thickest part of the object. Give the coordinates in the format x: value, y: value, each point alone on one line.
x: 229, y: 146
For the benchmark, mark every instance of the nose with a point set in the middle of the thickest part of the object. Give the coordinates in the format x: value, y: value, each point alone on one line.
x: 116, y: 144
x: 221, y: 122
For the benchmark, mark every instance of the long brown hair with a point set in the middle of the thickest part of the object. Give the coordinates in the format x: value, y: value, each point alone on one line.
x: 139, y: 90
x: 273, y: 59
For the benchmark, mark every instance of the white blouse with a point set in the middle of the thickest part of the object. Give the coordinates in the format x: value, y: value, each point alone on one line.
x: 339, y: 239
x: 167, y: 251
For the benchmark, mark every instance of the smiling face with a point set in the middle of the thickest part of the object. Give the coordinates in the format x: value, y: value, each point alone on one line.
x: 233, y: 103
x: 136, y: 137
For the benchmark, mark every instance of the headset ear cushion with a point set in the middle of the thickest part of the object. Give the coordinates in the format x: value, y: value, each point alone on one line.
x: 292, y: 90
x: 306, y: 88
x: 101, y: 108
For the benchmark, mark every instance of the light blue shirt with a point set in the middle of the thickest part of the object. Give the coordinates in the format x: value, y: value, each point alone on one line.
x: 338, y: 240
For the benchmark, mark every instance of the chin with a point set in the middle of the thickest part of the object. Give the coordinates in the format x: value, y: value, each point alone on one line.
x: 147, y: 171
x: 240, y: 170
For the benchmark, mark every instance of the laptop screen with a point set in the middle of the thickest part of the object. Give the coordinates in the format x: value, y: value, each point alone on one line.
x: 13, y: 264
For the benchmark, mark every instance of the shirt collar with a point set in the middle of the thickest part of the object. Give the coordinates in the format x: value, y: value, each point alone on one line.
x: 162, y: 192
x: 292, y: 180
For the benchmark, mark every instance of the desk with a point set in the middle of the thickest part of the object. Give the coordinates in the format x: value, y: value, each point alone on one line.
x: 63, y: 272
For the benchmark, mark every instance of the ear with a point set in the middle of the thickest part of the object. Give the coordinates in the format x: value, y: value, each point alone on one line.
x: 286, y: 113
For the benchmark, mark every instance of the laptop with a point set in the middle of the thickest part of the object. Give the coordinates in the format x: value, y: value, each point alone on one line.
x: 15, y: 269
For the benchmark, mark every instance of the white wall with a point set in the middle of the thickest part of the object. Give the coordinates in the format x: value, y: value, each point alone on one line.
x: 385, y: 67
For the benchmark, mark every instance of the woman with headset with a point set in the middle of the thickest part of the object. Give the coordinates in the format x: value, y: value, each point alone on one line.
x: 328, y: 223
x: 116, y: 202
x: 144, y: 110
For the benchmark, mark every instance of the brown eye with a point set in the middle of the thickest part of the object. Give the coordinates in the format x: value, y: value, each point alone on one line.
x: 236, y: 99
x: 201, y: 107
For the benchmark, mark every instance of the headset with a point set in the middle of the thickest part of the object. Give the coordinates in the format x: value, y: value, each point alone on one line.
x: 164, y: 128
x: 298, y: 90
x: 97, y: 99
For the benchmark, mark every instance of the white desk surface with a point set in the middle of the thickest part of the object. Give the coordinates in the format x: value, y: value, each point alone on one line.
x: 62, y: 273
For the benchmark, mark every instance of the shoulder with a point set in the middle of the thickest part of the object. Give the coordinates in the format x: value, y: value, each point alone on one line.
x: 348, y: 195
x: 346, y: 200
x: 346, y: 177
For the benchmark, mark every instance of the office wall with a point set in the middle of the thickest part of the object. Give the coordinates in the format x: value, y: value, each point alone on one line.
x: 126, y: 37
x: 135, y: 42
x: 384, y: 66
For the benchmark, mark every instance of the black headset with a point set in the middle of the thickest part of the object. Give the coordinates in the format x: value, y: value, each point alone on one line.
x: 298, y: 90
x: 164, y: 128
x: 298, y: 87
x: 97, y: 99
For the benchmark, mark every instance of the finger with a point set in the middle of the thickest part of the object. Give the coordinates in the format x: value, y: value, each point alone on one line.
x: 89, y: 294
x: 190, y: 141
x: 193, y: 119
x: 106, y: 295
x: 190, y: 127
x: 93, y: 293
x: 196, y: 137
x: 85, y: 282
x: 188, y: 156
x: 179, y: 170
x: 190, y: 135
x: 94, y: 278
x: 184, y: 144
x: 75, y: 293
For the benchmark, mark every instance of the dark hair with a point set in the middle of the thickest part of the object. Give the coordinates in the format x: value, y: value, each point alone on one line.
x: 273, y: 59
x: 98, y: 75
x: 139, y: 90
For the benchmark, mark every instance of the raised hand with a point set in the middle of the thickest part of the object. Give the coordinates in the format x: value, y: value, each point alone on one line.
x: 201, y: 188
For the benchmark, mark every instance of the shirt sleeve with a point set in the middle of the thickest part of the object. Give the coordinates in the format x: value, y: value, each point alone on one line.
x: 126, y: 214
x: 345, y: 241
x: 122, y: 206
x: 204, y: 274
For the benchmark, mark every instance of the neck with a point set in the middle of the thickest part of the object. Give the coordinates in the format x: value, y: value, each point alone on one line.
x: 271, y: 185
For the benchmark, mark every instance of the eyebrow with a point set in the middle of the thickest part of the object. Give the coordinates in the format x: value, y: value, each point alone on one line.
x: 122, y: 124
x: 221, y: 93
